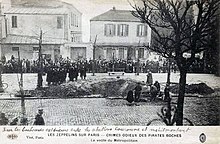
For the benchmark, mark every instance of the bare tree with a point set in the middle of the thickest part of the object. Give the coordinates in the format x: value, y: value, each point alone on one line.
x: 179, y: 27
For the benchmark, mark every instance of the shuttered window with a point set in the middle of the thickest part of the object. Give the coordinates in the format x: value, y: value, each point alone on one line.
x: 15, y: 48
x: 141, y: 30
x: 121, y: 53
x: 123, y: 30
x: 59, y: 22
x: 109, y: 30
x: 141, y: 53
x: 14, y: 22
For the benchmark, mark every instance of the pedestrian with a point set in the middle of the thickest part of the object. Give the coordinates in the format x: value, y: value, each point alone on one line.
x: 149, y: 81
x: 75, y: 72
x: 71, y: 71
x: 49, y: 75
x: 137, y: 92
x: 130, y: 96
x: 157, y: 85
x: 167, y: 93
x: 39, y: 80
x: 3, y: 119
x: 39, y: 120
x: 153, y: 92
x: 83, y: 72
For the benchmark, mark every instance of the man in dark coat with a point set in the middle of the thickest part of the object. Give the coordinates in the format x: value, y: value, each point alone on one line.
x: 149, y: 78
x: 130, y: 97
x: 137, y: 89
x: 157, y: 85
x: 75, y: 72
x: 39, y: 120
x: 153, y: 92
x: 71, y: 71
x: 83, y: 72
x: 167, y: 93
x: 49, y: 75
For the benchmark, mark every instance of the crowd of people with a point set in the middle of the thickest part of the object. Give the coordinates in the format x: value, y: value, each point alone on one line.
x: 13, y: 65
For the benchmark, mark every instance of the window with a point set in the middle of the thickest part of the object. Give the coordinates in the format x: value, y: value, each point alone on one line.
x: 77, y: 21
x: 15, y: 48
x: 75, y: 37
x: 109, y: 30
x: 141, y: 30
x: 74, y: 20
x: 35, y: 48
x: 123, y: 30
x: 121, y: 53
x: 59, y: 22
x: 14, y: 21
x: 141, y: 53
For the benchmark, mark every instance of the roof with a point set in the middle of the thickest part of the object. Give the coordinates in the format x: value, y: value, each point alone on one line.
x: 47, y: 4
x: 19, y: 39
x: 37, y: 3
x: 36, y: 11
x: 116, y: 15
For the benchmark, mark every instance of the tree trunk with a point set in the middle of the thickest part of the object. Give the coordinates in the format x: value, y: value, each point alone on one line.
x: 180, y: 102
x: 168, y: 72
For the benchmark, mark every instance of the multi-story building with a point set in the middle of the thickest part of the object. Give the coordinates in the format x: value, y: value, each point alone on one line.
x: 59, y: 22
x: 117, y: 34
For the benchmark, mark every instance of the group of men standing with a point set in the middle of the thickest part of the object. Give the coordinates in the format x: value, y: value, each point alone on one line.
x: 58, y: 74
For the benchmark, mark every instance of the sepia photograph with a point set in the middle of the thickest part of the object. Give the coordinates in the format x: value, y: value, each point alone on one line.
x: 110, y: 63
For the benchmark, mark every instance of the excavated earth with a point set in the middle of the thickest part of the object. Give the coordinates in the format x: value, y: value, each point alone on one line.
x: 107, y: 87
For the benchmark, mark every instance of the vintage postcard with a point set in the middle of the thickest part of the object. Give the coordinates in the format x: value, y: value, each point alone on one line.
x: 109, y: 71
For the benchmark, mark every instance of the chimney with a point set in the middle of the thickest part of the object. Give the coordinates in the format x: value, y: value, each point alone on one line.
x: 113, y: 8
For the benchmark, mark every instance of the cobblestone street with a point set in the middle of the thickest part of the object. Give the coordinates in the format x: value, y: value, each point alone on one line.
x: 101, y: 111
x: 93, y: 111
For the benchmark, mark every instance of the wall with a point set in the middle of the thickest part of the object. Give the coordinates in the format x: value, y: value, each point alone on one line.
x: 97, y: 28
x: 30, y: 25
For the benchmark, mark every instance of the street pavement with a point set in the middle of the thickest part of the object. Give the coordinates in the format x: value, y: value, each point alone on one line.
x: 102, y: 111
x: 85, y: 111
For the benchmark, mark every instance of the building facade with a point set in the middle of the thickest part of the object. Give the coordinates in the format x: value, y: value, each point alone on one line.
x: 117, y: 34
x: 59, y: 22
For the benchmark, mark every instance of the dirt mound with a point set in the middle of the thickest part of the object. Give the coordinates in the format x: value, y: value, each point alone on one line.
x: 200, y: 88
x: 105, y: 87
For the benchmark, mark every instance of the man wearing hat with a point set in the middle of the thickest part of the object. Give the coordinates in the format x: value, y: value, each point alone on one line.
x: 39, y: 120
x: 137, y: 92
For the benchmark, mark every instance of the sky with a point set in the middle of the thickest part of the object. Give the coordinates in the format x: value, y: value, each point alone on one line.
x: 92, y: 8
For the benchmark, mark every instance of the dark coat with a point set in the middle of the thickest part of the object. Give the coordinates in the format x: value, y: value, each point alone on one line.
x: 130, y: 96
x: 39, y: 120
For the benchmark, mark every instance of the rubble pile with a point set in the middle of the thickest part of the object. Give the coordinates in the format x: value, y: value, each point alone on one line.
x: 200, y: 88
x: 105, y: 87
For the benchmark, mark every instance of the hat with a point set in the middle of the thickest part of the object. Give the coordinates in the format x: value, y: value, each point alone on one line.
x: 40, y: 110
